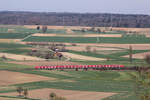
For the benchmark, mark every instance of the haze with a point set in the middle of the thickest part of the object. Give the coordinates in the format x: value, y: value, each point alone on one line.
x: 80, y: 6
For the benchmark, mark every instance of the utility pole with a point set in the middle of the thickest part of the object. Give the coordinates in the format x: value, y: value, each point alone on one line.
x: 130, y: 53
x: 98, y: 40
x: 63, y: 20
x: 111, y: 20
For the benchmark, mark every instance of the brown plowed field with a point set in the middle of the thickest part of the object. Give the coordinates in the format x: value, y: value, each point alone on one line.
x: 68, y: 94
x: 10, y: 78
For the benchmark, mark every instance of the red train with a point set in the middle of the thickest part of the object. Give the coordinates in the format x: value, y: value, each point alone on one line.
x: 81, y: 67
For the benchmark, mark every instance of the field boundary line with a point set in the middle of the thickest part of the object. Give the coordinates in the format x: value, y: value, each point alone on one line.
x: 27, y: 37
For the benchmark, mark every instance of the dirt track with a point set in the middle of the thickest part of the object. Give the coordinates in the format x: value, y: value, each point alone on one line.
x: 69, y: 94
x: 9, y: 78
x: 19, y: 57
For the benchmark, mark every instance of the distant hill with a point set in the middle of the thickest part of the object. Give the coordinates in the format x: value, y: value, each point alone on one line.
x: 74, y: 19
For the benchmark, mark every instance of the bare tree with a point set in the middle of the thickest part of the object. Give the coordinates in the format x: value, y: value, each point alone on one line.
x: 88, y: 48
x: 25, y: 93
x: 44, y: 29
x: 95, y: 50
x: 38, y: 27
x: 83, y: 30
x: 111, y: 29
x: 92, y: 29
x: 99, y: 30
x: 147, y: 59
x: 52, y: 96
x: 108, y: 59
x: 4, y: 57
x: 19, y: 90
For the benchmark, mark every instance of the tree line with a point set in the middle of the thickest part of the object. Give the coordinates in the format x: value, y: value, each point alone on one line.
x: 75, y: 19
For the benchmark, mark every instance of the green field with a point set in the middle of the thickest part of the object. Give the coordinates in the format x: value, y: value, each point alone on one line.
x: 14, y: 48
x: 13, y: 35
x: 16, y: 51
x: 119, y: 82
x: 113, y: 56
x: 18, y: 32
x: 16, y: 29
x: 124, y: 40
x: 108, y: 81
x: 12, y: 45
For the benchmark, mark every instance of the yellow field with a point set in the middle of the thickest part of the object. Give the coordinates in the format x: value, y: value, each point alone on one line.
x: 9, y: 40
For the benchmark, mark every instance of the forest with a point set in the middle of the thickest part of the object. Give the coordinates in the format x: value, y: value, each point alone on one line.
x: 74, y: 19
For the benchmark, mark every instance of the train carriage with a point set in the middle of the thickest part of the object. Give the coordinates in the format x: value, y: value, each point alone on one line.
x: 98, y: 67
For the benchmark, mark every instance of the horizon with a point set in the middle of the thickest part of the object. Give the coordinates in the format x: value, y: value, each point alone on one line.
x: 78, y: 6
x: 73, y: 12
